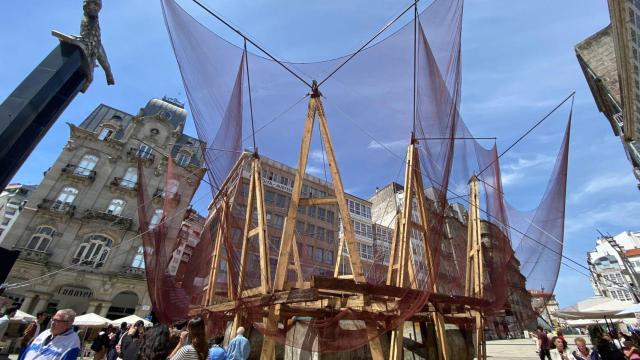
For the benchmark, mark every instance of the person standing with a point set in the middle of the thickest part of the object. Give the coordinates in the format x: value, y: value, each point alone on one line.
x: 130, y: 342
x: 198, y: 348
x: 155, y: 344
x: 542, y: 343
x: 217, y: 352
x: 32, y: 331
x: 583, y: 352
x: 59, y: 342
x: 100, y: 344
x: 559, y: 352
x: 239, y: 348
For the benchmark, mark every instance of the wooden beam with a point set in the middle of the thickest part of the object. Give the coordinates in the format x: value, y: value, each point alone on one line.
x: 283, y: 297
x: 318, y: 201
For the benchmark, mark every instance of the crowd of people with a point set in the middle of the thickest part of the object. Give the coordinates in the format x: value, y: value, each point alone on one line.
x: 607, y: 346
x: 184, y: 341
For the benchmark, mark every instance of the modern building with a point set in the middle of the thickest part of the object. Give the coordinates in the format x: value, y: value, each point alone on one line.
x: 610, y: 61
x: 614, y: 265
x: 78, y: 232
x: 12, y: 200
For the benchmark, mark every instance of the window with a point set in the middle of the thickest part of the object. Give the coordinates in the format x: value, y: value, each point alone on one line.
x: 328, y: 257
x: 311, y: 211
x: 93, y: 251
x: 329, y: 236
x: 65, y: 199
x: 281, y: 200
x: 183, y: 158
x: 318, y: 255
x: 116, y: 206
x: 144, y: 151
x: 308, y: 251
x: 138, y: 260
x: 299, y: 227
x: 322, y: 214
x: 87, y: 163
x: 269, y: 197
x: 105, y: 134
x: 130, y: 178
x: 155, y: 219
x: 330, y: 216
x: 277, y: 220
x: 311, y: 230
x: 366, y: 251
x: 41, y: 238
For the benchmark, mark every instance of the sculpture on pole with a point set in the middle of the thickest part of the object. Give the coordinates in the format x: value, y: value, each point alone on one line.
x: 31, y: 109
x: 90, y: 42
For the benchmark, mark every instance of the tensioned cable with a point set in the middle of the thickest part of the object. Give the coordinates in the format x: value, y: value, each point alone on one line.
x: 368, y: 42
x: 571, y: 96
x: 246, y: 38
x: 462, y: 196
x: 253, y: 130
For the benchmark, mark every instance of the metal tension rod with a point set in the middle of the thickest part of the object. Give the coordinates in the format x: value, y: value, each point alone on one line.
x: 205, y: 8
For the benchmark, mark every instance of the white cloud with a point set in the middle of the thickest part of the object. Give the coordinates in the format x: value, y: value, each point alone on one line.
x: 510, y: 178
x: 315, y: 170
x: 603, y: 183
x: 391, y: 145
x: 526, y: 161
x: 318, y: 156
x: 617, y: 214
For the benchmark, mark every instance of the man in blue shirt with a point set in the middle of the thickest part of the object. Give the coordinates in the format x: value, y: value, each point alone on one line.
x: 217, y: 352
x: 238, y: 348
x: 58, y: 343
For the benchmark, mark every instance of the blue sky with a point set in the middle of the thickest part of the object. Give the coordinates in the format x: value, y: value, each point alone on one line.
x: 518, y: 63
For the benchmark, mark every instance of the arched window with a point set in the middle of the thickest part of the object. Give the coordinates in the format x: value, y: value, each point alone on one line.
x: 183, y: 158
x: 65, y: 199
x: 41, y: 238
x: 116, y: 206
x: 130, y: 178
x: 105, y: 133
x: 87, y: 164
x: 144, y: 151
x: 155, y: 219
x: 93, y: 251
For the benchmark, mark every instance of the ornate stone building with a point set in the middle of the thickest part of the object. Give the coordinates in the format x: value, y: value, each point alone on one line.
x: 610, y: 61
x: 81, y: 223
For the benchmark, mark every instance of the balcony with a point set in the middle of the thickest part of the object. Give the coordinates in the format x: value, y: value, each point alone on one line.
x: 79, y: 173
x: 137, y: 153
x: 34, y: 255
x: 130, y: 271
x: 124, y: 184
x: 57, y: 207
x: 114, y: 220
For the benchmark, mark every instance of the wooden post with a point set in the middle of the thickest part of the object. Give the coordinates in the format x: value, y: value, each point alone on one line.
x: 255, y: 198
x: 315, y: 108
x: 402, y: 258
x: 217, y: 252
x: 474, y: 284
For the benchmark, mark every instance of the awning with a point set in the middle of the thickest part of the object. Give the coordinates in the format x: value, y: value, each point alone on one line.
x: 90, y: 320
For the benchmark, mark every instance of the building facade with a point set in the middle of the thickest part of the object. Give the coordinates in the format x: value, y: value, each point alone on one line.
x: 78, y: 232
x: 614, y: 265
x: 610, y: 61
x: 12, y: 200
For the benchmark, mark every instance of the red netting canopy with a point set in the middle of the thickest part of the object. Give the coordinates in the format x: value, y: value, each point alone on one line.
x: 380, y: 94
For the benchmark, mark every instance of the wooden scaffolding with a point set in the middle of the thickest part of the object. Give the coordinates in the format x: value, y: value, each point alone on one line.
x: 320, y: 296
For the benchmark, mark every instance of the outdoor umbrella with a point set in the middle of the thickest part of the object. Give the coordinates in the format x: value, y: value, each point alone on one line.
x: 131, y: 319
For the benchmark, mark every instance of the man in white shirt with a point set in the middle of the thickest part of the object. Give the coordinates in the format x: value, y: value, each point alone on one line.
x: 59, y: 342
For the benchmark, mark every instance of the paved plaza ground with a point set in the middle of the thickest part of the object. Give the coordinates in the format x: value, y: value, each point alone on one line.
x: 519, y: 349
